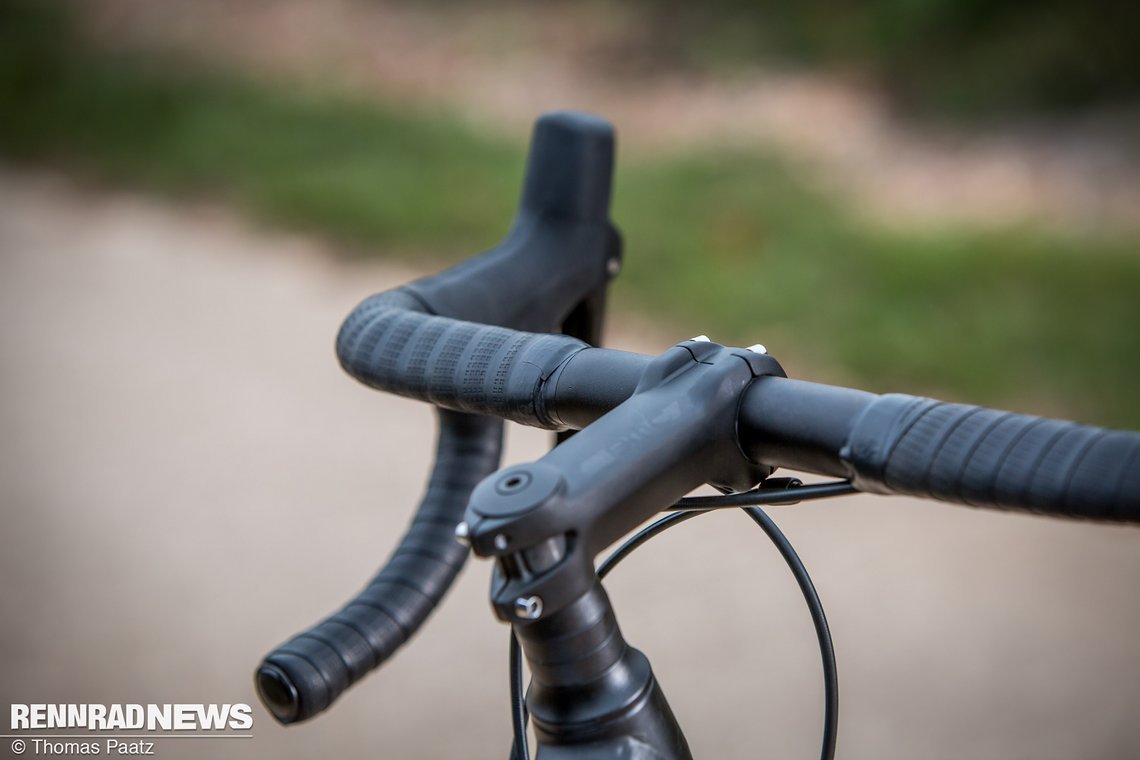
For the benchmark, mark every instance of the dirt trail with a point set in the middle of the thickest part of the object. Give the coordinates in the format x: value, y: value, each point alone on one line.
x: 502, y: 68
x: 186, y: 478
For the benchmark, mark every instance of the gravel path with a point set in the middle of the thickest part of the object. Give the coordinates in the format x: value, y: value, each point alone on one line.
x: 186, y: 478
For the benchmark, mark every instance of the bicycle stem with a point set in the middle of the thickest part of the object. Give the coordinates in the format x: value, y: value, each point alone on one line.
x: 545, y: 522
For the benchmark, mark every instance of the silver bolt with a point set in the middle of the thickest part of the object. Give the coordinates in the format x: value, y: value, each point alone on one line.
x: 613, y: 266
x: 701, y: 339
x: 758, y: 348
x: 529, y: 607
x: 501, y: 542
x: 463, y: 533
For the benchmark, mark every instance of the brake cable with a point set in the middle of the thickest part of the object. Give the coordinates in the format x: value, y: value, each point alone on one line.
x: 781, y: 491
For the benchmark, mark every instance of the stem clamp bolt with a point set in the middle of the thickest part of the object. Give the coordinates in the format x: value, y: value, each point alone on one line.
x: 463, y: 533
x: 529, y: 607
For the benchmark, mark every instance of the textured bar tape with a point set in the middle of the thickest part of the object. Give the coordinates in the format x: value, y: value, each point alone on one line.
x: 968, y: 454
x: 306, y: 674
x: 389, y: 345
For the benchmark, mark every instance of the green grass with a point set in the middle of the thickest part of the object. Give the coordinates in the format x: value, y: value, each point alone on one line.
x: 1011, y: 318
x: 361, y: 172
x: 728, y: 243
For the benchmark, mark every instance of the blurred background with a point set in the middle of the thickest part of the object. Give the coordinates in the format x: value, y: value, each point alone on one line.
x: 933, y: 197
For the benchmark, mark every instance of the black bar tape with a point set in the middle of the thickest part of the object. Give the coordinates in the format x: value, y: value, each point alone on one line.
x: 306, y: 674
x: 559, y: 254
x: 971, y: 455
x: 388, y: 343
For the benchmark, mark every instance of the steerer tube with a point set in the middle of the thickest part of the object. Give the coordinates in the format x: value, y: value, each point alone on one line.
x: 591, y: 688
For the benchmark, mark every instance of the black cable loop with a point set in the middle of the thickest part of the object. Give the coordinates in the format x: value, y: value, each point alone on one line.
x: 819, y: 620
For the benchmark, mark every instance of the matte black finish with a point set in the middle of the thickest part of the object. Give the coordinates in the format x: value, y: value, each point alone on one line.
x: 559, y: 249
x: 676, y: 431
x: 473, y: 340
x: 971, y: 455
x: 591, y: 383
x: 453, y: 364
x: 800, y: 425
x: 593, y: 695
x: 783, y: 423
x: 551, y: 269
x: 887, y: 444
x: 306, y: 674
